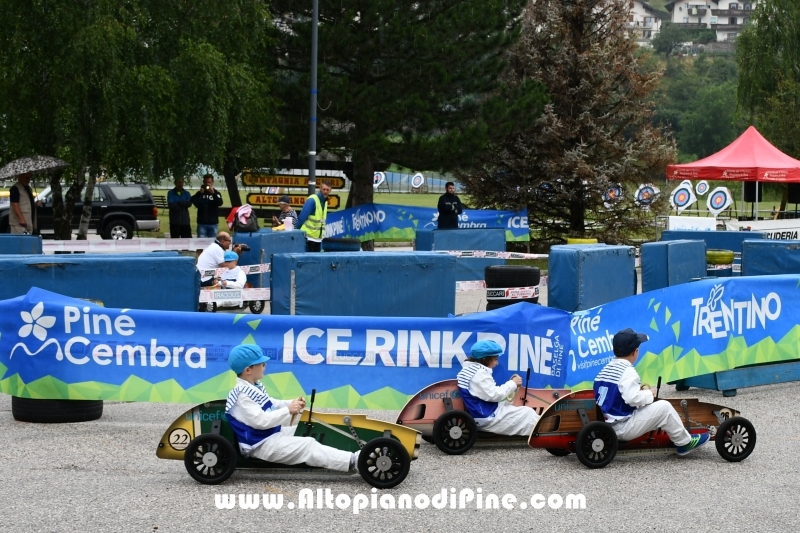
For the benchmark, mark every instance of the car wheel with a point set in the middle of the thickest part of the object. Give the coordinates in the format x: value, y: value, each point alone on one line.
x: 596, y: 445
x: 55, y: 411
x: 558, y: 452
x: 383, y: 463
x: 210, y: 459
x: 118, y: 230
x: 256, y: 306
x: 735, y: 439
x: 455, y: 432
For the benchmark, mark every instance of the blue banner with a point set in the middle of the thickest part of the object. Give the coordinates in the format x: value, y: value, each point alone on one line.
x: 694, y: 329
x: 53, y: 346
x: 399, y: 222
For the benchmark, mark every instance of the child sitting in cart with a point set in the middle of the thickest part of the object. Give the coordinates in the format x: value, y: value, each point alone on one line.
x: 263, y: 425
x: 629, y: 409
x: 486, y: 401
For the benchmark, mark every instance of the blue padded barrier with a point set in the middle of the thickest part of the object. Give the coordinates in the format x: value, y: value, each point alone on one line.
x: 404, y: 284
x: 768, y: 257
x: 582, y: 276
x: 20, y: 244
x: 669, y: 263
x: 162, y: 281
x: 717, y: 240
x: 467, y: 269
x: 263, y: 244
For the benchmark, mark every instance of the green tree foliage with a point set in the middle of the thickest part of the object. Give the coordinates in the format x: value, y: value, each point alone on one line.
x: 668, y: 38
x: 135, y: 88
x: 401, y: 81
x: 768, y: 55
x: 697, y: 100
x: 594, y: 133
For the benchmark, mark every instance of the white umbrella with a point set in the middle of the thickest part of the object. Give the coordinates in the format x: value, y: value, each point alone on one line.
x: 36, y: 163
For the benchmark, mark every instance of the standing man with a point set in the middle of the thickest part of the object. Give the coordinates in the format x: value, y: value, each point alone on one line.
x: 312, y: 217
x: 207, y: 201
x: 22, y: 217
x: 178, y: 201
x: 449, y: 207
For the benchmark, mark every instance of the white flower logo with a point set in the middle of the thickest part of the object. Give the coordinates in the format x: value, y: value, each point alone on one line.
x: 36, y: 323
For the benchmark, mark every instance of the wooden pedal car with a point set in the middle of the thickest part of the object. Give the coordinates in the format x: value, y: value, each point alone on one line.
x: 202, y: 438
x: 575, y: 424
x: 438, y: 412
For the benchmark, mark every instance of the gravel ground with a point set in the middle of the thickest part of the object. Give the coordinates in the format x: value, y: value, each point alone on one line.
x: 104, y: 476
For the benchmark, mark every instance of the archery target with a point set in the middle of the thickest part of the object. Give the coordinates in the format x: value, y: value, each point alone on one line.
x: 417, y: 180
x: 612, y: 196
x: 682, y: 197
x: 719, y: 200
x: 646, y: 194
x: 702, y: 187
x: 378, y: 178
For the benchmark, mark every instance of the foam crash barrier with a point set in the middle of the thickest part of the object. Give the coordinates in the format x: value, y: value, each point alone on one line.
x: 263, y: 244
x: 404, y: 284
x: 162, y: 281
x: 669, y: 263
x: 20, y: 244
x: 467, y: 268
x: 583, y: 276
x: 768, y: 257
x: 718, y: 240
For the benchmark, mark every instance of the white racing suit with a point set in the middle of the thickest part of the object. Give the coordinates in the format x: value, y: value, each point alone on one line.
x: 487, y: 403
x: 262, y: 428
x: 234, y: 278
x: 631, y: 410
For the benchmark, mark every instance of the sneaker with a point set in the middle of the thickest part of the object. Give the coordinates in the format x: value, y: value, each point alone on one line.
x: 696, y: 442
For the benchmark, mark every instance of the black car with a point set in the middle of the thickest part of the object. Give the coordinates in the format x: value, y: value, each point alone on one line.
x: 117, y: 211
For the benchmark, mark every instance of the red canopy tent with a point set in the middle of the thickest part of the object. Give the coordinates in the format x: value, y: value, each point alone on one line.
x: 749, y: 158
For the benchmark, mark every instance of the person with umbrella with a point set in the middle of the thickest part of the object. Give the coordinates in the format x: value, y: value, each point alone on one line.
x: 22, y: 217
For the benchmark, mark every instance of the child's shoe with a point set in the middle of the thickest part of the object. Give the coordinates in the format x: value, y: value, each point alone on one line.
x: 696, y: 442
x: 354, y: 463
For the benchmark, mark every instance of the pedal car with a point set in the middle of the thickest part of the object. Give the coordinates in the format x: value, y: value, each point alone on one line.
x: 205, y: 442
x: 575, y: 424
x: 438, y: 412
x: 256, y: 306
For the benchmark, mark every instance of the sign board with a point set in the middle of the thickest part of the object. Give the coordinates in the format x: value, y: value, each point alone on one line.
x: 256, y: 179
x: 296, y: 200
x: 788, y: 229
x: 693, y: 223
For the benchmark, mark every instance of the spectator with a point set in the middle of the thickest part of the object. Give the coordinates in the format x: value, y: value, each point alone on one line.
x: 312, y: 217
x: 207, y: 201
x: 286, y: 212
x: 449, y: 207
x: 179, y: 200
x: 22, y: 217
x: 214, y: 256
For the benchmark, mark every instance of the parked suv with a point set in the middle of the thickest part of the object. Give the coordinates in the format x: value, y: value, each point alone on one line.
x: 117, y: 210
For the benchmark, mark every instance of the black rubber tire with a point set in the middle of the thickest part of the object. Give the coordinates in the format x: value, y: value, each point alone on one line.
x: 118, y: 230
x: 428, y: 439
x: 491, y: 305
x: 504, y: 276
x: 55, y: 411
x: 455, y: 432
x: 210, y: 459
x: 736, y: 439
x: 341, y: 245
x: 383, y: 463
x: 558, y: 452
x: 596, y: 445
x: 212, y: 307
x: 256, y: 306
x: 719, y: 257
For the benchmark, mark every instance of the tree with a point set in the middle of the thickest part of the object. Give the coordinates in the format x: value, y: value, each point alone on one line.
x: 768, y: 55
x: 592, y: 135
x: 135, y: 89
x: 669, y: 36
x: 399, y: 81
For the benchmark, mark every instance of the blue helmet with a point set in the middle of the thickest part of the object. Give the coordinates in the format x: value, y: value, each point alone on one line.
x: 483, y: 349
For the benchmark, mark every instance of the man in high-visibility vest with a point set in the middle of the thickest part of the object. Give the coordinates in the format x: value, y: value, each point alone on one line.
x: 312, y: 217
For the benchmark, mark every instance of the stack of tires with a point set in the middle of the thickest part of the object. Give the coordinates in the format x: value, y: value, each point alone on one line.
x: 55, y: 411
x: 719, y: 263
x: 509, y: 277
